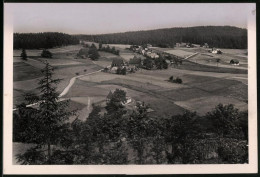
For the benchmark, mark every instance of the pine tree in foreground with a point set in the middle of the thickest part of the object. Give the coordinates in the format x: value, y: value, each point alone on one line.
x: 49, y: 124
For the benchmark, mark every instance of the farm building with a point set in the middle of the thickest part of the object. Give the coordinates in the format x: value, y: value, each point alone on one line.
x: 234, y: 62
x: 180, y: 44
x: 216, y: 51
x: 117, y: 62
x: 152, y: 55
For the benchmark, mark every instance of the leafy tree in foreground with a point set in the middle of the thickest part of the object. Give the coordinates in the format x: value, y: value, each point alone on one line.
x: 179, y: 136
x: 48, y: 125
x: 116, y: 102
x: 24, y: 55
x: 138, y: 126
x: 225, y: 120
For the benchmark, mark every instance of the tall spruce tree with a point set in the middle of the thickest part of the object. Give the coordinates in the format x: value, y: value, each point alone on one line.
x: 50, y: 122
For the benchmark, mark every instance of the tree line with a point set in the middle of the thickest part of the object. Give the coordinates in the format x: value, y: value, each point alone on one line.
x: 108, y: 49
x: 215, y: 36
x: 122, y: 136
x: 43, y: 40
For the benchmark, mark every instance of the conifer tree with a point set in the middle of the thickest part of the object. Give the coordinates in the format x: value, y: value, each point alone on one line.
x: 49, y: 123
x: 24, y: 55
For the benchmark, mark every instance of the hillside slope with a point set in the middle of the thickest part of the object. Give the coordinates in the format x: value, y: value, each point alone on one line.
x: 215, y: 36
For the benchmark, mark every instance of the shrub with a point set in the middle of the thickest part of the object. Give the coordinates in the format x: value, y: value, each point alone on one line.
x: 178, y: 80
x: 77, y: 74
x: 46, y: 54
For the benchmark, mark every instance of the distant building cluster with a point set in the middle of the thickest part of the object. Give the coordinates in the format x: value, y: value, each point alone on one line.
x: 145, y: 51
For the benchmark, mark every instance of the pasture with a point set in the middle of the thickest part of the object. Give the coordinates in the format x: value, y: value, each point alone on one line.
x: 28, y: 72
x: 204, y: 85
x: 168, y: 98
x: 222, y: 60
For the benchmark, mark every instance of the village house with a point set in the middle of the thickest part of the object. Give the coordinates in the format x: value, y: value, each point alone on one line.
x: 216, y: 51
x: 152, y: 55
x: 117, y: 62
x: 182, y: 44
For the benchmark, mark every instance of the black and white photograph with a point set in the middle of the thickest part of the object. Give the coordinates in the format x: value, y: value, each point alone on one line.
x: 130, y: 84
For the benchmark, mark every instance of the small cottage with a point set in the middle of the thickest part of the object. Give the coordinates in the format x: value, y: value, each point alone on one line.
x: 117, y: 62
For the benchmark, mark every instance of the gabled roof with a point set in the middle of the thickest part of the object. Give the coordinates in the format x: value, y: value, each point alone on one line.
x: 117, y: 61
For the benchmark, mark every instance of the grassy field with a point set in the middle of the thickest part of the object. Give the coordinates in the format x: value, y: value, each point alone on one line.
x: 24, y: 71
x: 153, y: 88
x: 27, y: 73
x: 204, y: 86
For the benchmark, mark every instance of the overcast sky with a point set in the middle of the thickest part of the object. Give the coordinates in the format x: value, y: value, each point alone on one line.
x: 86, y: 18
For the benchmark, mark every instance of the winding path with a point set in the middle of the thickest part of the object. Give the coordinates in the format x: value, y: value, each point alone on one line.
x: 66, y: 90
x: 72, y: 81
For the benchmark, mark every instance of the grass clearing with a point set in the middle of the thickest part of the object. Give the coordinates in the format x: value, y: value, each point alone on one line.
x: 180, y: 53
x: 203, y: 105
x: 23, y: 71
x: 188, y: 65
x: 202, y: 89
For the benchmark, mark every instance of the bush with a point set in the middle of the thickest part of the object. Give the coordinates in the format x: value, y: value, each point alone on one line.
x: 178, y: 80
x: 219, y: 52
x: 93, y: 53
x: 46, y: 54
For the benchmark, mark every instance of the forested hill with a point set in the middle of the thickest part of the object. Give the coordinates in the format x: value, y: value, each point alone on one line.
x: 215, y: 36
x: 42, y: 40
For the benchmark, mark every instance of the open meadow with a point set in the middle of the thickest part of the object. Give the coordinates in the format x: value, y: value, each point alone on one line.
x: 204, y: 85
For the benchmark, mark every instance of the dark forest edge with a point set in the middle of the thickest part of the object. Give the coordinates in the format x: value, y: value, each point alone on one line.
x: 215, y: 36
x: 43, y: 40
x: 122, y: 136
